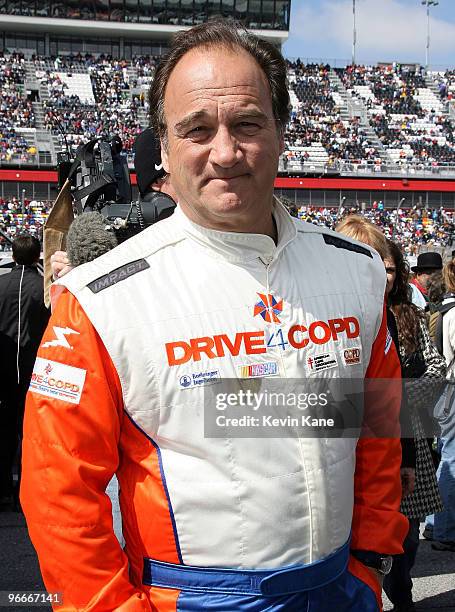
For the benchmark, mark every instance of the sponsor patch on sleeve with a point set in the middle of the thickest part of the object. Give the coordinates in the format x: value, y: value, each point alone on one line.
x: 57, y: 380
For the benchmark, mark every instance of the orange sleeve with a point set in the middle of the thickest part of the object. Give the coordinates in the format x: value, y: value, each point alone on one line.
x: 70, y: 452
x: 377, y: 524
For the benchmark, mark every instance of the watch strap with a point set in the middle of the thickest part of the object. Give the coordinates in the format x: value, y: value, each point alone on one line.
x: 380, y: 562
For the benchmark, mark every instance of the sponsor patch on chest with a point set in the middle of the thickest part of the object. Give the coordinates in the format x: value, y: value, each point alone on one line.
x: 318, y: 363
x: 258, y: 370
x: 199, y: 379
x: 351, y: 356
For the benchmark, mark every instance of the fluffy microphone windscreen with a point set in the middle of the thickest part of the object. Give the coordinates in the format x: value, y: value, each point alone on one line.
x: 88, y: 238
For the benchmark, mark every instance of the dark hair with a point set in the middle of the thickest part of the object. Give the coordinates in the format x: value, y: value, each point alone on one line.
x: 220, y: 33
x: 26, y: 249
x: 400, y: 289
x: 407, y: 315
x: 436, y: 288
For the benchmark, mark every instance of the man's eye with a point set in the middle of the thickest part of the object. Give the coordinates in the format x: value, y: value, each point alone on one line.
x: 248, y: 127
x: 198, y: 129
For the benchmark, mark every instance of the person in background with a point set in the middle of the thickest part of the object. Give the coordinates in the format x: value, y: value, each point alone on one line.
x: 151, y: 178
x: 421, y: 363
x: 440, y: 527
x: 356, y: 226
x: 359, y: 228
x: 23, y: 319
x: 436, y: 293
x: 427, y: 265
x: 436, y: 290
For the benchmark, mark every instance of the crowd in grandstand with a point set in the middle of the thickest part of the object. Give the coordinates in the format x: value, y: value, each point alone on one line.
x: 316, y: 118
x: 145, y: 66
x: 412, y: 229
x: 17, y: 216
x: 113, y: 109
x: 410, y: 121
x: 16, y: 111
x: 12, y: 70
x: 446, y: 83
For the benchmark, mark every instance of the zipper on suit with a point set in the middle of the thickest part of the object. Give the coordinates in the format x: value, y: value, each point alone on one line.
x: 267, y: 262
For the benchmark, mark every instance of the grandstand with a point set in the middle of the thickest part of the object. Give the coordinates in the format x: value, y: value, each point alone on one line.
x: 71, y: 71
x: 360, y: 136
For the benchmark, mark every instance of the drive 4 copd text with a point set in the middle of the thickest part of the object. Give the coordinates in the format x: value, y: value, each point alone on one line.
x: 258, y: 342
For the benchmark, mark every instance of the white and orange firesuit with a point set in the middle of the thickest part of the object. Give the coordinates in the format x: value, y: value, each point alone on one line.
x: 135, y: 338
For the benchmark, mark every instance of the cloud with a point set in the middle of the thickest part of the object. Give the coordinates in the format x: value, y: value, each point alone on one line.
x: 386, y: 30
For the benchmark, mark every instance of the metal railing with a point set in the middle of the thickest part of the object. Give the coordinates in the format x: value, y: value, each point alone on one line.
x: 37, y: 161
x: 359, y: 168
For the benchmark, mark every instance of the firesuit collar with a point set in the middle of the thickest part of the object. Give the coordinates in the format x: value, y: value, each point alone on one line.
x: 241, y: 247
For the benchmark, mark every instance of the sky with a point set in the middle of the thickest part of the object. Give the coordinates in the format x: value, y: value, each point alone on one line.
x: 387, y: 30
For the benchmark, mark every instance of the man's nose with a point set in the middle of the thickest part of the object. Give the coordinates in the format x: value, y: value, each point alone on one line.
x: 225, y: 150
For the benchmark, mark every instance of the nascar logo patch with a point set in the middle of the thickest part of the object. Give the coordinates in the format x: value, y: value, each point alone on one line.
x: 259, y: 370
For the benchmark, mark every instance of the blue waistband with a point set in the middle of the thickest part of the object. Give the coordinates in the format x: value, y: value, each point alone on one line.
x: 268, y: 583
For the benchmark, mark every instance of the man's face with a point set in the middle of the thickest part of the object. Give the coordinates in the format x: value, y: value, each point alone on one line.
x: 223, y: 142
x: 424, y: 277
x: 391, y: 271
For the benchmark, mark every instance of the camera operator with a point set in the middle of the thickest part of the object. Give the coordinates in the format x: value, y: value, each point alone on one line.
x: 151, y: 179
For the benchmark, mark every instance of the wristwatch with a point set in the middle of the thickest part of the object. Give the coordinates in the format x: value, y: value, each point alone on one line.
x: 381, y: 563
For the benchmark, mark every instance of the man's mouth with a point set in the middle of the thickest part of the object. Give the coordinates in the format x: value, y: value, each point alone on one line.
x: 226, y: 179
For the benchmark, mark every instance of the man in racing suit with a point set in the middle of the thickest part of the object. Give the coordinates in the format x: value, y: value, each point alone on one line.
x: 229, y: 286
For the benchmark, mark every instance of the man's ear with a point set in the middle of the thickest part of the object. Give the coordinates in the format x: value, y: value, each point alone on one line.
x: 164, y: 157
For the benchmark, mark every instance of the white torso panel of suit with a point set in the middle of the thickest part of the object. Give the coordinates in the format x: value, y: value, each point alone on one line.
x: 195, y: 311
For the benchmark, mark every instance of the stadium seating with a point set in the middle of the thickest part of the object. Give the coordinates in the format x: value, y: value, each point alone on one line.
x: 410, y: 121
x: 16, y: 217
x: 97, y: 101
x: 445, y: 84
x: 317, y: 135
x: 415, y: 229
x: 359, y: 118
x: 17, y: 120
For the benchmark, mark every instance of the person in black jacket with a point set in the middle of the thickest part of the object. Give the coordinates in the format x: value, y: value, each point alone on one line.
x: 23, y: 319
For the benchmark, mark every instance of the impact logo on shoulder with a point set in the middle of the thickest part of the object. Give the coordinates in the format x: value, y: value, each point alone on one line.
x: 57, y: 380
x: 199, y: 379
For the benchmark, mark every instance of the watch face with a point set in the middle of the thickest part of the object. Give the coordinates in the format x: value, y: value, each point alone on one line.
x: 386, y: 565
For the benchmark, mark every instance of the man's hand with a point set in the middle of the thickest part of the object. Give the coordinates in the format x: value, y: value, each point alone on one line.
x: 60, y: 264
x: 408, y: 480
